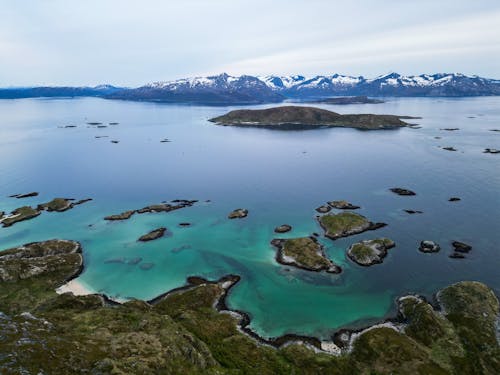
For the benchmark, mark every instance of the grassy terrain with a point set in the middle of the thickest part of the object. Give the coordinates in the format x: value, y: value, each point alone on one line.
x: 182, y: 333
x: 343, y: 224
x: 306, y: 252
x: 20, y: 214
x: 370, y: 251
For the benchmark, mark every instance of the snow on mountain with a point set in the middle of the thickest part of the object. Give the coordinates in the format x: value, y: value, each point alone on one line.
x: 246, y: 89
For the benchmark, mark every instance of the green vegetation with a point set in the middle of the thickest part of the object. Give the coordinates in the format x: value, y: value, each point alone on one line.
x: 370, y: 252
x: 345, y: 224
x: 295, y: 117
x: 304, y: 252
x: 182, y: 332
x: 20, y: 214
x: 56, y: 204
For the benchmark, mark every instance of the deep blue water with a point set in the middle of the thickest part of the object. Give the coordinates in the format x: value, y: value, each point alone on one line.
x: 280, y: 177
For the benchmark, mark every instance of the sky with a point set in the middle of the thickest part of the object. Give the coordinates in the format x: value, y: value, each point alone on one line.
x: 130, y: 43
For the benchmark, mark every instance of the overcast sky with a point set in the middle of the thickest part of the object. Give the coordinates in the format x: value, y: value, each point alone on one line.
x: 130, y: 43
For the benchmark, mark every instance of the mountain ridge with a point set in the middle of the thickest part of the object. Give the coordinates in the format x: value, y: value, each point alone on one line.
x: 247, y: 89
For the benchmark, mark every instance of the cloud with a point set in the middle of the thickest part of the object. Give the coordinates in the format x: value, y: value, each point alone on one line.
x: 129, y: 42
x: 435, y: 43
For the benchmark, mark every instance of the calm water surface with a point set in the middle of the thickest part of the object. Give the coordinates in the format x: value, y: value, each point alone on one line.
x: 280, y: 177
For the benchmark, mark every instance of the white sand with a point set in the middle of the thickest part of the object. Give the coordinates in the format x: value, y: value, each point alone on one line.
x: 74, y: 286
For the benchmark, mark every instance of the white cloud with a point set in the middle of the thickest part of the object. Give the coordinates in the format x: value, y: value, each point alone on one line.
x: 130, y: 42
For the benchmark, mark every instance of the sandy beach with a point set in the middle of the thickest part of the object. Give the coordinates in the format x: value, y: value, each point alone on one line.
x: 75, y: 287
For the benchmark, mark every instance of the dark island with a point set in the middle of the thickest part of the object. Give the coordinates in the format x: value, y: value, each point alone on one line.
x: 343, y: 100
x: 153, y: 235
x: 299, y: 118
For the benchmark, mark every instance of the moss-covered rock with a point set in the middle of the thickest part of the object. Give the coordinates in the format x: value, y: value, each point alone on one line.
x: 343, y: 205
x: 304, y: 252
x: 19, y: 214
x: 283, y: 228
x: 346, y: 224
x: 238, y: 213
x: 56, y: 204
x: 122, y: 216
x: 369, y: 252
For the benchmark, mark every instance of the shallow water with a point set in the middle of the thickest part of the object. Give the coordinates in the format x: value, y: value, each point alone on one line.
x: 280, y: 177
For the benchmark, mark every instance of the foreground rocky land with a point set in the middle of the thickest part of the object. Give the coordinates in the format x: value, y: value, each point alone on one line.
x: 188, y: 331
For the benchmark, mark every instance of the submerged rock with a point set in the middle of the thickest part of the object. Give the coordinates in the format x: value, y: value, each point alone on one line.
x: 343, y: 205
x: 304, y: 252
x: 401, y: 191
x: 134, y: 261
x: 239, y: 213
x: 114, y: 260
x: 456, y: 255
x: 429, y: 247
x: 153, y: 235
x: 283, y: 228
x: 346, y: 224
x: 369, y: 252
x: 146, y: 266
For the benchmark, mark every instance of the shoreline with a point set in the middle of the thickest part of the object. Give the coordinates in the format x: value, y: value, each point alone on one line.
x: 76, y: 287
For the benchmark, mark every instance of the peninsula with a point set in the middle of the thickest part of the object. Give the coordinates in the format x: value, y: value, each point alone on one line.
x: 298, y: 117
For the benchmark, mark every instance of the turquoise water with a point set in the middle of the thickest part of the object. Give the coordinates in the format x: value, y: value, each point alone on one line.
x: 280, y: 177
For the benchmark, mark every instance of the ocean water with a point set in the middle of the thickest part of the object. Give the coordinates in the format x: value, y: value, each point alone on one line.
x: 281, y: 177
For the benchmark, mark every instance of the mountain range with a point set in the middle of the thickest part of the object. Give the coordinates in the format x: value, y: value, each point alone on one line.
x: 226, y: 89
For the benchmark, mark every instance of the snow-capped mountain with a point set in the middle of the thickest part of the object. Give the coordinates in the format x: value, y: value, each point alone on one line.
x: 392, y: 84
x: 226, y: 89
x: 218, y: 89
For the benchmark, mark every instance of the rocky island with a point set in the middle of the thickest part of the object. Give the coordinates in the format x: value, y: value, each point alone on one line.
x: 344, y: 100
x: 369, y: 252
x: 346, y: 224
x: 304, y: 252
x: 19, y: 214
x: 238, y: 213
x: 298, y: 117
x: 154, y: 208
x: 343, y: 205
x: 153, y: 235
